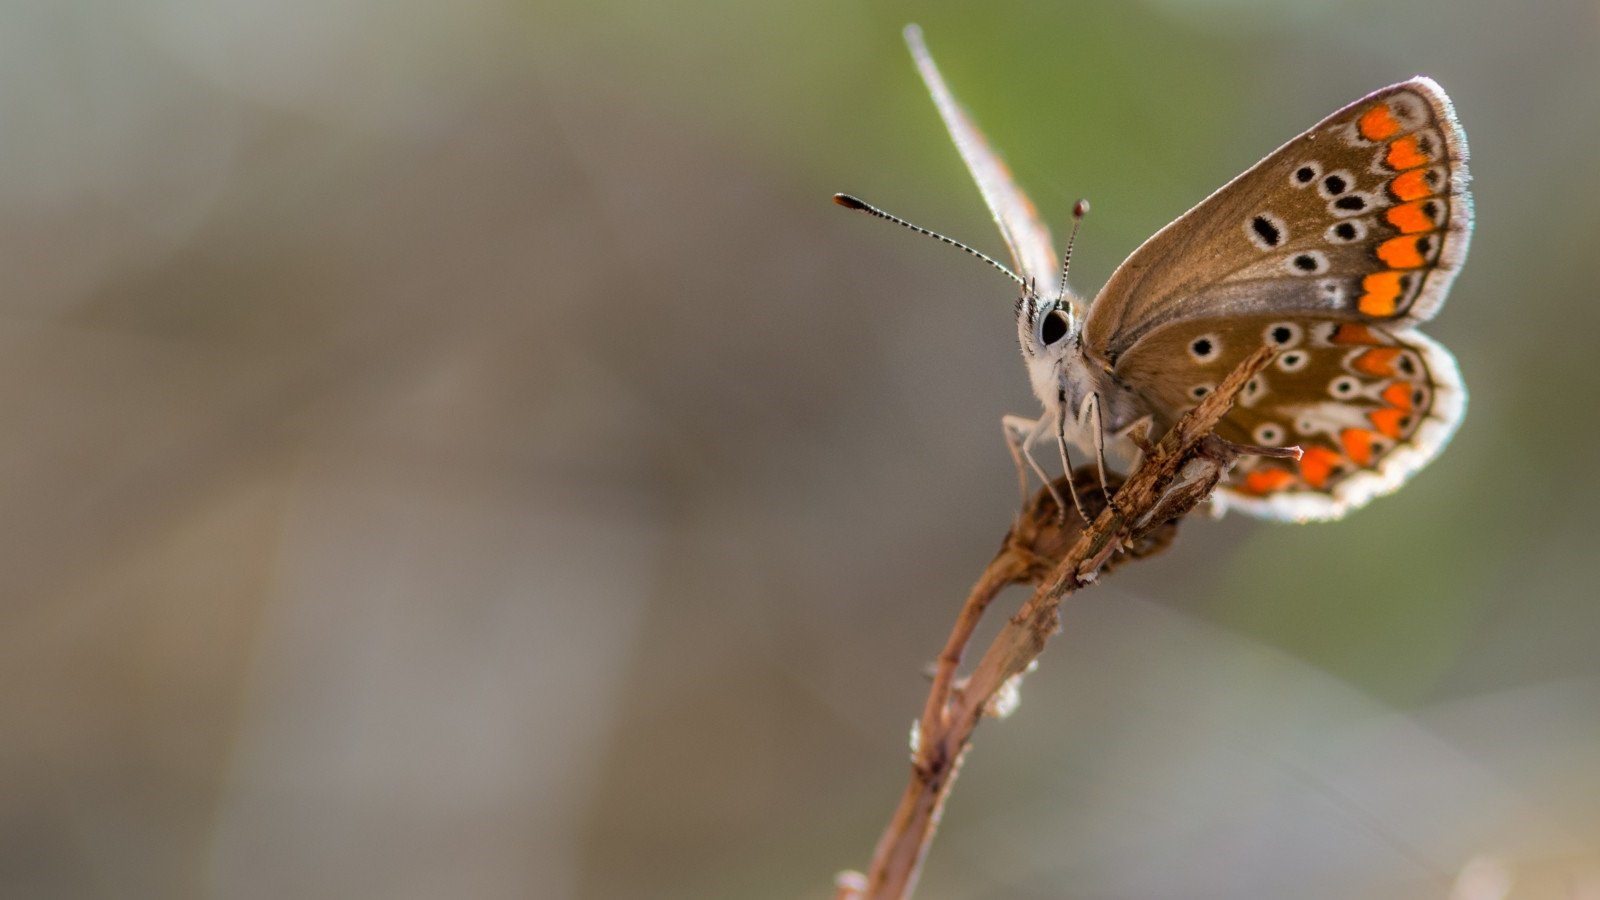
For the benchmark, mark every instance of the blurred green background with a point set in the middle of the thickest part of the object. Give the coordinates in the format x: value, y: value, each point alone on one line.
x: 456, y: 450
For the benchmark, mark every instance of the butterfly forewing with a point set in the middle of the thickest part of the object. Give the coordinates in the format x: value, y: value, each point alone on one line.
x: 1025, y: 233
x: 1365, y: 216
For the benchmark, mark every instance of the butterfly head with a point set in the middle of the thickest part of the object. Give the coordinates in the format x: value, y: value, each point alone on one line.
x: 1046, y: 327
x: 1051, y: 335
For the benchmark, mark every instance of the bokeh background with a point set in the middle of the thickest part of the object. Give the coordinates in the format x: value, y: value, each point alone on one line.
x: 456, y: 450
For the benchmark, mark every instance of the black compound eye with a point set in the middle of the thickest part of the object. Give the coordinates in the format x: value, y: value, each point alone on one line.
x: 1054, y: 327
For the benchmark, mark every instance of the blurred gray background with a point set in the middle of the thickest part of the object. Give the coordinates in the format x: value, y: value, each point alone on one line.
x: 456, y: 450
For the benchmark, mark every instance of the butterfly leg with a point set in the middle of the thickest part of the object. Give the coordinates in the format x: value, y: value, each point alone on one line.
x: 1020, y: 434
x: 1066, y: 464
x: 1100, y: 450
x: 1016, y: 430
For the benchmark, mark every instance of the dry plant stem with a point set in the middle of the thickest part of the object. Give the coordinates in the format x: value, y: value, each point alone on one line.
x: 1154, y: 496
x: 1007, y: 568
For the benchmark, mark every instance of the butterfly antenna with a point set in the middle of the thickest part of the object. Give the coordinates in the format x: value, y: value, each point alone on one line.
x: 849, y: 202
x: 1079, y: 210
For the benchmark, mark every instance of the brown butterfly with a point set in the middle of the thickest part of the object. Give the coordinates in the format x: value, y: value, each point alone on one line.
x: 1331, y: 249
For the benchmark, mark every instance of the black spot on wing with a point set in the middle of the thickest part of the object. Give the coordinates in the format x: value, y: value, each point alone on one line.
x: 1268, y: 232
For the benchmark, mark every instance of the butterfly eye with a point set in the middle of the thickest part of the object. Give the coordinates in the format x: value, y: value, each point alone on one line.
x: 1053, y: 328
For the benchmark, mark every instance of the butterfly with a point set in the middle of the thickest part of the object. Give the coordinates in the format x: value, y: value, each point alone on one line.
x: 1331, y: 250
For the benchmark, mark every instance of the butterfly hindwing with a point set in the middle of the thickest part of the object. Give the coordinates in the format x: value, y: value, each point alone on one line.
x: 1368, y: 404
x: 1366, y: 216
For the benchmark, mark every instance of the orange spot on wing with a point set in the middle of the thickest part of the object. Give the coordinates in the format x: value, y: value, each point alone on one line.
x: 1266, y: 481
x: 1378, y: 123
x: 1398, y: 395
x: 1316, y: 464
x: 1404, y: 154
x: 1378, y: 362
x: 1382, y: 294
x: 1357, y: 445
x: 1352, y: 333
x: 1412, y: 185
x: 1401, y: 253
x: 1388, y: 420
x: 1409, y: 217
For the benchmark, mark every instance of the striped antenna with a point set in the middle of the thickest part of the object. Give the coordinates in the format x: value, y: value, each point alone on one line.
x: 849, y: 202
x: 1079, y: 210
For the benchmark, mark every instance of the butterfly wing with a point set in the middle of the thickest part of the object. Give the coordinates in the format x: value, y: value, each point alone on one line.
x: 1024, y: 232
x: 1368, y: 404
x: 1366, y: 216
x: 1331, y: 248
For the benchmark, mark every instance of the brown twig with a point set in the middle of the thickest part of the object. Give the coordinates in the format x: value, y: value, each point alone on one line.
x: 1058, y: 558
